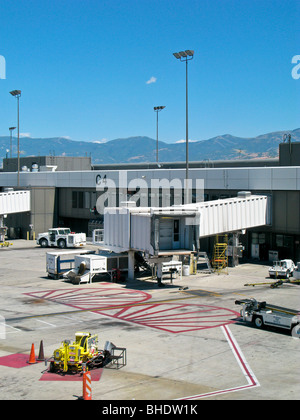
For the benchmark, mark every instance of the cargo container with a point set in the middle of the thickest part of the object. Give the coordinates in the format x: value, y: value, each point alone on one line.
x: 59, y: 262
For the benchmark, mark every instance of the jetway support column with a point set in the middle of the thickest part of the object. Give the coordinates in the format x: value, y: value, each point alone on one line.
x: 131, y: 262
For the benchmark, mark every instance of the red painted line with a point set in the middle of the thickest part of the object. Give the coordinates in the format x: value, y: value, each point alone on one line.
x: 132, y: 314
x: 239, y: 357
x: 187, y: 323
x: 211, y: 394
x: 185, y: 319
x: 16, y: 360
x: 117, y: 315
x: 48, y: 376
x: 147, y: 308
x: 120, y: 303
x: 242, y: 363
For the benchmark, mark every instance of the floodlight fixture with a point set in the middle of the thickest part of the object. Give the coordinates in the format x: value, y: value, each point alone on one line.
x: 184, y: 55
x: 157, y: 109
x: 190, y: 53
x: 15, y: 93
x: 176, y: 55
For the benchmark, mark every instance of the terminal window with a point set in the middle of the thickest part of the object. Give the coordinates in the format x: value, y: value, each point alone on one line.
x: 77, y: 199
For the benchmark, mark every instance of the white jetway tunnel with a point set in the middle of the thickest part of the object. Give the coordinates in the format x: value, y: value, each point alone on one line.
x: 169, y: 230
x: 12, y: 202
x: 153, y: 230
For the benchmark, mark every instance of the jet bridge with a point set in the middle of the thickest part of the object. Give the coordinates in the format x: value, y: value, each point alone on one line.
x: 12, y: 202
x: 167, y: 231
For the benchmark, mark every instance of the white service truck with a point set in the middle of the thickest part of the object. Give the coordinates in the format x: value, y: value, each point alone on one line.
x: 262, y: 313
x: 61, y: 238
x: 282, y: 269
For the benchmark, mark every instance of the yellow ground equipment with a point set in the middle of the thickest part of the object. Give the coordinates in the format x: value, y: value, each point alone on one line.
x: 84, y: 350
x: 220, y: 257
x: 5, y: 243
x: 273, y: 284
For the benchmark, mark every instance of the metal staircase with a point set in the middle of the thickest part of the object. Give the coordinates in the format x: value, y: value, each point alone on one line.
x: 204, y: 255
x: 220, y: 258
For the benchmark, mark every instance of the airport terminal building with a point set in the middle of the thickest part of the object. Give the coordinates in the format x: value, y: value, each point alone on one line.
x: 70, y: 192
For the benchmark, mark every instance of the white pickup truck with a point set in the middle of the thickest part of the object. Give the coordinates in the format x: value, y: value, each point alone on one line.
x: 282, y: 269
x: 61, y: 238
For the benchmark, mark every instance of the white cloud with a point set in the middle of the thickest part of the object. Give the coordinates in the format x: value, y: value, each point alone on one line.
x: 183, y: 141
x: 24, y: 134
x: 104, y: 140
x: 151, y: 80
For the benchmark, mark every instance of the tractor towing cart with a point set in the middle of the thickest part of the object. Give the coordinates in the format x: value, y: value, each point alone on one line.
x: 262, y: 313
x: 282, y: 269
x: 70, y: 358
x: 61, y: 238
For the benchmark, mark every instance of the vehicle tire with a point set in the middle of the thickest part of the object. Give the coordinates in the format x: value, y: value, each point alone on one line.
x: 61, y: 244
x: 258, y: 322
x: 52, y: 367
x: 295, y: 330
x: 44, y: 243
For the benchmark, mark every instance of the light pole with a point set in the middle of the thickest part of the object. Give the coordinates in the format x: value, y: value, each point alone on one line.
x: 157, y: 109
x: 11, y: 130
x: 186, y: 56
x: 17, y: 94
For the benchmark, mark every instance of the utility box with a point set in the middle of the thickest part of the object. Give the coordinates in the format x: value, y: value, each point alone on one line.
x: 59, y: 262
x: 86, y: 267
x: 94, y: 263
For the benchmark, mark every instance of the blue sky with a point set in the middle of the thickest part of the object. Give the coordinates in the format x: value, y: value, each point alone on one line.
x: 83, y: 67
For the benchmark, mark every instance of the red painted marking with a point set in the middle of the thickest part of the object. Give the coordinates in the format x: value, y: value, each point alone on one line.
x: 211, y: 394
x: 121, y: 304
x: 252, y: 381
x: 173, y: 317
x: 242, y: 362
x: 48, y: 376
x: 16, y: 360
x: 92, y: 299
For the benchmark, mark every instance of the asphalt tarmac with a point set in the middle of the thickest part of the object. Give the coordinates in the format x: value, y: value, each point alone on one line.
x: 184, y: 341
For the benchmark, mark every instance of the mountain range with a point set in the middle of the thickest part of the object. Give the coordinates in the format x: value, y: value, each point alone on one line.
x: 143, y: 149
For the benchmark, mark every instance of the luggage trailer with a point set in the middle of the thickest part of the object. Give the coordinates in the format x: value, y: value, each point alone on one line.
x: 262, y: 313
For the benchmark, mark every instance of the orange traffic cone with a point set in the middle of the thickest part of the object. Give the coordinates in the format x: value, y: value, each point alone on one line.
x: 41, y: 356
x: 32, y: 356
